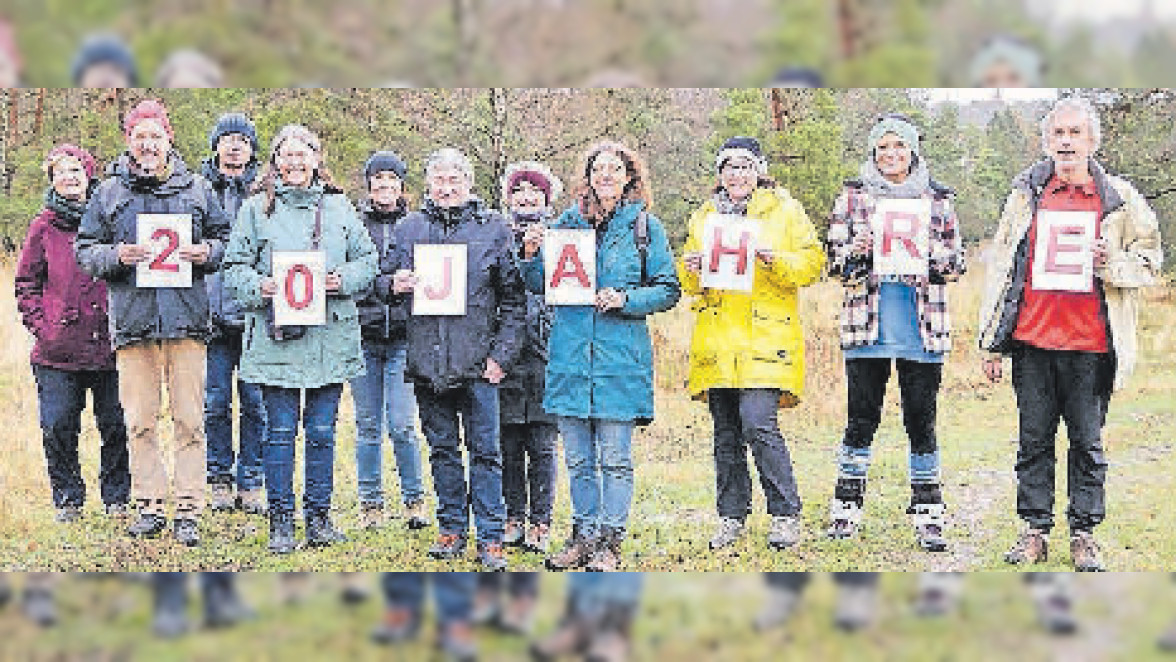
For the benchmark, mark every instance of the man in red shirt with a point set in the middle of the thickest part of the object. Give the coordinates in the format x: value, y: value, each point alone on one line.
x: 1073, y: 247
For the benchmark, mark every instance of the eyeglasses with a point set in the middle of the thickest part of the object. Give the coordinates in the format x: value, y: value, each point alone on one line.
x: 738, y: 169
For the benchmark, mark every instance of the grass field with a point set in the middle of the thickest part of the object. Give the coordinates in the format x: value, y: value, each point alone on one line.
x: 673, y: 513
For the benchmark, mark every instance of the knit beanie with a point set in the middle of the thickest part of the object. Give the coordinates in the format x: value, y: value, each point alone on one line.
x: 383, y: 161
x: 148, y: 109
x: 745, y: 147
x: 899, y: 127
x: 230, y: 123
x: 97, y: 49
x: 69, y: 151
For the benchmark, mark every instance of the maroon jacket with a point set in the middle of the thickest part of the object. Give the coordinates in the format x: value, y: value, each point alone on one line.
x: 62, y: 305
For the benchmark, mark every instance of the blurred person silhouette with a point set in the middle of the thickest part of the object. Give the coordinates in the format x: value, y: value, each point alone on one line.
x: 453, y: 594
x: 10, y: 62
x: 36, y: 597
x: 189, y: 69
x: 798, y: 77
x: 1006, y: 61
x: 857, y: 597
x: 598, y: 618
x: 939, y: 594
x: 223, y: 606
x: 104, y: 60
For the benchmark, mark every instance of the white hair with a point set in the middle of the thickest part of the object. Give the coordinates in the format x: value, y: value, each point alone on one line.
x: 448, y: 156
x: 1078, y: 104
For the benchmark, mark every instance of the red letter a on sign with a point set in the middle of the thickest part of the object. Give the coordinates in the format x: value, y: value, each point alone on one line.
x: 719, y: 250
x: 575, y: 270
x: 446, y: 285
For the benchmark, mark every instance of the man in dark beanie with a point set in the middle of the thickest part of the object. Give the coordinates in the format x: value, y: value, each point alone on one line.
x: 104, y: 61
x: 231, y: 170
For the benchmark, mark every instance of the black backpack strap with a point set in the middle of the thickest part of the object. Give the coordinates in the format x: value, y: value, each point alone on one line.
x: 641, y: 238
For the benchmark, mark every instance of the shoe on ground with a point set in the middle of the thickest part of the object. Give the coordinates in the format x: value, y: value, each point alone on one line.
x: 855, y: 607
x: 372, y: 516
x: 67, y: 514
x: 1056, y: 615
x: 514, y: 533
x: 930, y: 522
x: 281, y: 536
x: 147, y: 526
x: 538, y: 539
x: 1031, y: 547
x: 785, y: 532
x: 398, y: 626
x: 169, y: 624
x: 449, y: 547
x: 729, y: 532
x: 518, y: 618
x: 845, y: 519
x: 779, y: 609
x: 575, y: 554
x: 117, y: 510
x: 251, y: 502
x: 221, y: 498
x: 492, y: 556
x: 186, y: 531
x: 1085, y: 552
x: 457, y: 643
x: 321, y: 532
x: 416, y: 516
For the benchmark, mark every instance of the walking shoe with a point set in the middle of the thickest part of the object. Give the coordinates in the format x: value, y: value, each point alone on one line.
x: 855, y: 607
x: 730, y: 530
x: 398, y: 626
x: 117, y: 510
x: 416, y: 515
x: 492, y: 556
x: 456, y: 643
x: 355, y: 590
x: 929, y: 523
x: 321, y: 532
x: 186, y: 531
x: 576, y: 552
x: 67, y: 514
x: 251, y: 502
x: 37, y: 605
x: 449, y: 546
x: 1056, y: 614
x: 613, y: 639
x: 608, y: 551
x: 781, y: 605
x: 281, y: 535
x: 571, y: 636
x: 938, y: 594
x: 1085, y: 552
x: 223, y: 608
x: 514, y: 533
x: 538, y: 539
x: 518, y: 617
x: 1031, y: 547
x: 785, y: 531
x: 147, y: 526
x: 372, y: 516
x: 222, y: 500
x: 844, y: 519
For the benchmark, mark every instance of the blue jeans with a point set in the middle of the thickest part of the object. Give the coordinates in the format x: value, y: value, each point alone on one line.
x: 593, y: 592
x: 223, y: 358
x: 528, y: 471
x: 453, y: 593
x: 600, y: 467
x: 517, y: 584
x: 61, y: 397
x: 477, y: 406
x: 283, y: 408
x: 384, y: 400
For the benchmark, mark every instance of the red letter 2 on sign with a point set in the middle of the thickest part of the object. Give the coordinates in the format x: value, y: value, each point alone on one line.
x: 163, y: 235
x: 301, y: 277
x: 902, y: 237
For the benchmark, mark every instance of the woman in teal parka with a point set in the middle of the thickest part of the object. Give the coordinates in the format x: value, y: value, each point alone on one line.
x: 600, y: 371
x: 287, y: 361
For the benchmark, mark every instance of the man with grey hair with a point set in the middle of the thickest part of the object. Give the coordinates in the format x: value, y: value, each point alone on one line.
x: 1074, y: 246
x: 458, y: 361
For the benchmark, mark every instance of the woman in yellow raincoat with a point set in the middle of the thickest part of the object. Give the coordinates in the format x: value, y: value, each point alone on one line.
x: 747, y: 355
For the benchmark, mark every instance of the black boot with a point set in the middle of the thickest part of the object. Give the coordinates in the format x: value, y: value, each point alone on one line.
x: 320, y: 532
x: 281, y: 533
x: 223, y: 607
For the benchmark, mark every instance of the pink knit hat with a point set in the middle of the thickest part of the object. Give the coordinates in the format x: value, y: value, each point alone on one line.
x: 148, y: 109
x: 70, y: 151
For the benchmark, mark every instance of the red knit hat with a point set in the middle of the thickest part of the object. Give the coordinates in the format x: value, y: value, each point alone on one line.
x: 70, y: 151
x: 8, y: 43
x: 148, y: 109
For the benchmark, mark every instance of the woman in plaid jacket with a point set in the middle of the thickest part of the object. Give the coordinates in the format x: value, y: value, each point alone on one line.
x: 894, y: 243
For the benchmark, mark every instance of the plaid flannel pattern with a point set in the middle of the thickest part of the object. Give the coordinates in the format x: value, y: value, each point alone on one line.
x: 859, y: 311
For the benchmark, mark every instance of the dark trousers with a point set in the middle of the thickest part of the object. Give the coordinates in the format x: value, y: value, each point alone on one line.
x: 171, y: 588
x: 61, y: 396
x: 743, y: 418
x: 1053, y: 386
x: 222, y: 360
x: 528, y: 471
x: 797, y: 581
x: 517, y: 584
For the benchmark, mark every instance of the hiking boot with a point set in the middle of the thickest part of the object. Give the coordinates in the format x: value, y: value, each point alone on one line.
x: 855, y: 607
x: 457, y: 643
x: 785, y: 531
x: 1085, y: 552
x: 251, y: 502
x: 223, y: 608
x: 398, y: 626
x: 416, y: 516
x: 1056, y: 614
x: 576, y: 552
x: 186, y: 531
x: 281, y: 534
x: 117, y: 510
x: 147, y: 526
x: 929, y: 523
x: 538, y: 539
x: 781, y: 605
x: 608, y: 552
x: 1031, y: 547
x: 37, y: 605
x: 513, y: 534
x: 221, y: 499
x: 571, y: 637
x: 492, y: 556
x: 321, y: 532
x: 844, y: 519
x: 730, y: 530
x: 449, y: 546
x: 613, y: 639
x: 372, y: 516
x: 1167, y: 641
x: 519, y: 616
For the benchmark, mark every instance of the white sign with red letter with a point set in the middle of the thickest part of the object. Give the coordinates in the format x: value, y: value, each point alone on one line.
x: 902, y: 237
x: 569, y: 261
x: 728, y: 252
x: 441, y: 279
x: 164, y: 235
x: 1063, y: 253
x: 301, y: 277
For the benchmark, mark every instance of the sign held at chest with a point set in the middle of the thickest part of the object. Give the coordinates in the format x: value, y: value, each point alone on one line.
x: 302, y: 292
x: 1063, y: 251
x: 902, y: 237
x: 164, y: 235
x: 729, y: 244
x: 441, y: 279
x: 569, y: 261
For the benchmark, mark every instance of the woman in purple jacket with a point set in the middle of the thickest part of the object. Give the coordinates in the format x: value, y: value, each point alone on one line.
x: 65, y: 310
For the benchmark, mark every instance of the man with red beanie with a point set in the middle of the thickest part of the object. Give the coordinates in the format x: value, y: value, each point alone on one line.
x: 159, y: 333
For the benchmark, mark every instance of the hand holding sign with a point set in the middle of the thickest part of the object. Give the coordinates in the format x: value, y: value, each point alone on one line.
x: 901, y: 230
x: 729, y: 248
x: 569, y: 258
x: 301, y: 298
x: 440, y: 271
x: 164, y: 236
x: 1063, y: 251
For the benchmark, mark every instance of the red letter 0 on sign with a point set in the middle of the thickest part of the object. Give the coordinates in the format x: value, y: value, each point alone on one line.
x: 299, y: 300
